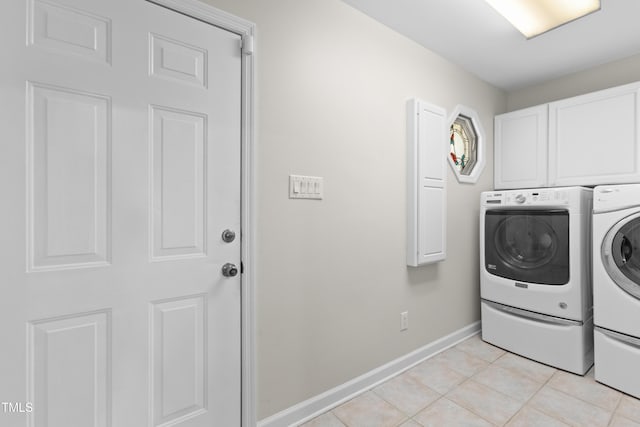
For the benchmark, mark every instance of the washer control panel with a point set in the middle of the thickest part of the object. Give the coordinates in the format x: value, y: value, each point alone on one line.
x: 611, y: 197
x: 525, y: 197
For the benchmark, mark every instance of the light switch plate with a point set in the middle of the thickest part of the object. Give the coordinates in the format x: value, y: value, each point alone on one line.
x: 306, y: 187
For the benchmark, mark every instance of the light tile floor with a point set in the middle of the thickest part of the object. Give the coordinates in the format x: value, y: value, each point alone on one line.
x: 477, y: 384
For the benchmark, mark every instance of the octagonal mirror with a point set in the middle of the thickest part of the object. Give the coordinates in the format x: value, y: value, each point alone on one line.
x: 466, y: 144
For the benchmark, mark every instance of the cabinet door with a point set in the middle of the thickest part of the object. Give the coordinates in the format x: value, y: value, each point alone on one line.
x: 593, y: 138
x: 426, y: 207
x: 521, y: 148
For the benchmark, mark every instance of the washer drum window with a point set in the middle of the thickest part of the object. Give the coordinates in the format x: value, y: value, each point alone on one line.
x: 528, y: 246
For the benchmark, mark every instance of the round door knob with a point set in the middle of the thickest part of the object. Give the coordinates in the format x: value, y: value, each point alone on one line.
x: 229, y: 270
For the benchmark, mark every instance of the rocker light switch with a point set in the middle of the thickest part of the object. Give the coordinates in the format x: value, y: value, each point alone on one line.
x: 305, y: 187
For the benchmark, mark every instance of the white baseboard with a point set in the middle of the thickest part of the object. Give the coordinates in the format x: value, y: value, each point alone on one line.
x: 311, y: 408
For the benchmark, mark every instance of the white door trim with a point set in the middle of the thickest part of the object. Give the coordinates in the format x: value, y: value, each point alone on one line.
x: 246, y: 30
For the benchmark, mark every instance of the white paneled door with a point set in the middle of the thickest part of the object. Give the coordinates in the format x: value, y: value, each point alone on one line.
x: 120, y: 155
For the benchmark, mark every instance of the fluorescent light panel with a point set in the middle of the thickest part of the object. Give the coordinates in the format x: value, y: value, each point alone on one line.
x: 534, y: 17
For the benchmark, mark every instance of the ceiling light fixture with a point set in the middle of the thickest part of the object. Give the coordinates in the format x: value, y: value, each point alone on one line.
x: 534, y: 17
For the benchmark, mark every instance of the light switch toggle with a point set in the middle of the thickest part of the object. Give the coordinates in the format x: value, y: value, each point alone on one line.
x: 306, y: 187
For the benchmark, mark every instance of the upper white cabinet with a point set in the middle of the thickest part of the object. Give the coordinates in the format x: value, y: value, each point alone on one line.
x: 521, y: 148
x: 426, y: 192
x: 591, y: 139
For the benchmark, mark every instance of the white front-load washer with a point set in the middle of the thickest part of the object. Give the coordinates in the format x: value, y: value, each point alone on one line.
x: 616, y: 286
x: 535, y: 274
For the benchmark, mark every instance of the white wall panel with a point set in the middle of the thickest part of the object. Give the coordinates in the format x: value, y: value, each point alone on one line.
x: 332, y: 104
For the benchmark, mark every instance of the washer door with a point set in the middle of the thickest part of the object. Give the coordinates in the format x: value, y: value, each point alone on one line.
x: 621, y: 254
x: 528, y: 246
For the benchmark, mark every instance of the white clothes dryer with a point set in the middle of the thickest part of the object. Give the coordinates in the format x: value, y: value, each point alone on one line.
x: 616, y: 286
x: 535, y: 274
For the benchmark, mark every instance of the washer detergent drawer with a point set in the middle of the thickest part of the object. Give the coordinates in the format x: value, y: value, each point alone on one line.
x: 564, y: 344
x: 617, y: 360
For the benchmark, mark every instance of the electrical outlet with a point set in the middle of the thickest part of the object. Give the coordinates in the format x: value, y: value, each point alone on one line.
x: 404, y: 320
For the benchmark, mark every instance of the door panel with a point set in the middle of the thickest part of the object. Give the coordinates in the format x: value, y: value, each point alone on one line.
x: 68, y: 144
x: 178, y: 183
x: 173, y: 59
x: 62, y: 28
x: 179, y: 355
x: 120, y: 168
x: 69, y: 366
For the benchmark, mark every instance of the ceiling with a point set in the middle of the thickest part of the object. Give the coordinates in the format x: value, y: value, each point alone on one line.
x: 473, y: 35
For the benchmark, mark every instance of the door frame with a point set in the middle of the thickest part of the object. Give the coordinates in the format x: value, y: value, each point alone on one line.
x: 246, y: 29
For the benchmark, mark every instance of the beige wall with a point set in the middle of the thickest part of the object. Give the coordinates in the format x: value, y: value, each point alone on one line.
x: 331, y: 275
x: 604, y: 76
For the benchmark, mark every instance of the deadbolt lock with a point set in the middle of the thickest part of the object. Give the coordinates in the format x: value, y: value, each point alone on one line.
x: 228, y: 236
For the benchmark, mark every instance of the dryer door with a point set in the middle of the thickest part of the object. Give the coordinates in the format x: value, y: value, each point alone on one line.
x: 621, y: 254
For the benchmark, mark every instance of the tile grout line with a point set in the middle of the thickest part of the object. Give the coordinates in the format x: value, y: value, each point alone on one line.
x: 474, y: 412
x: 488, y: 364
x: 547, y: 384
x: 585, y: 401
x: 613, y: 414
x: 526, y: 402
x: 622, y: 395
x: 441, y: 396
x: 558, y: 371
x: 410, y: 417
x: 531, y: 398
x: 550, y: 386
x: 406, y: 417
x: 544, y: 384
x: 406, y: 369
